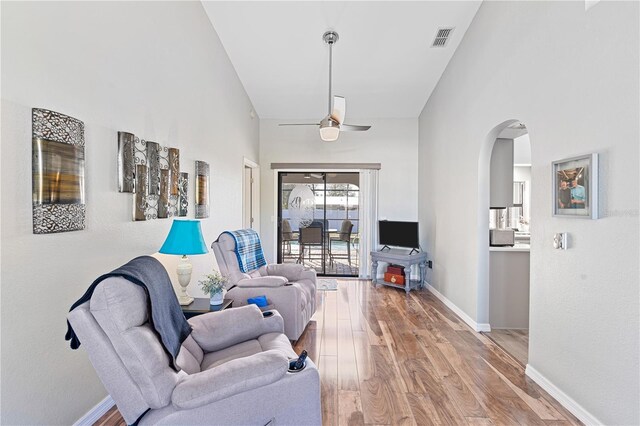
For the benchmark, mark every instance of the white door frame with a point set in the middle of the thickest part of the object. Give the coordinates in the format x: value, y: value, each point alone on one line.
x: 255, y: 192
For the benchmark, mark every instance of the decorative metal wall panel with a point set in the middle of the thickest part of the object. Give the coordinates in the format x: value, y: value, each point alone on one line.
x: 140, y: 198
x: 183, y: 200
x: 174, y: 169
x: 58, y: 172
x: 140, y: 151
x: 153, y: 167
x: 168, y: 159
x: 163, y: 157
x: 160, y: 197
x: 164, y: 205
x: 202, y: 190
x: 51, y: 218
x: 126, y: 163
x: 57, y: 127
x: 146, y: 156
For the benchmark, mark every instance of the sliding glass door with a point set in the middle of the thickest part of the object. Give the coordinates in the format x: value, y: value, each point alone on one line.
x: 318, y: 221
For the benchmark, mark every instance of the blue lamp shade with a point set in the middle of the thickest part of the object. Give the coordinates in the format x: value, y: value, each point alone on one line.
x: 185, y: 238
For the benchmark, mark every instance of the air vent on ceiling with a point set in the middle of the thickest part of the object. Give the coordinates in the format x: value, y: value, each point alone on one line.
x: 442, y: 37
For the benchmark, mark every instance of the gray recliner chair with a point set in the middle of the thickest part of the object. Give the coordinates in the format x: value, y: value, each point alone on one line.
x: 234, y: 365
x: 289, y: 288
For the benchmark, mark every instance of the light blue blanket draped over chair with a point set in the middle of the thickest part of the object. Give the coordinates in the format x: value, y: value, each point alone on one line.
x: 248, y: 249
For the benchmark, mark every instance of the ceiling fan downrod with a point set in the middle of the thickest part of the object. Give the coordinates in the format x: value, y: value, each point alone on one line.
x: 330, y: 37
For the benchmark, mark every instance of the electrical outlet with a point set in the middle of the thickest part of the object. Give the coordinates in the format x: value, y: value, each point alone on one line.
x: 430, y: 264
x: 560, y: 241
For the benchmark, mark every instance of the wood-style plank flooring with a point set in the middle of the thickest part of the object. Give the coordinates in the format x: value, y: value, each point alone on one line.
x: 111, y: 418
x: 387, y: 358
x: 514, y: 342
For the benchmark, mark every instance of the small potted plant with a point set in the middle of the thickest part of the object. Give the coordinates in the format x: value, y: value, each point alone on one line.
x: 214, y: 285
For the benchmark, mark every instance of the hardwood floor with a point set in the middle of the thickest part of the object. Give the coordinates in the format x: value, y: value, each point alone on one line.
x: 387, y: 358
x: 111, y: 418
x: 514, y: 342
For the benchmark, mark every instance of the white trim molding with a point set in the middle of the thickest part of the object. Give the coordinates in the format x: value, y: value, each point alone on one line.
x: 565, y: 400
x: 255, y: 192
x: 325, y: 166
x: 588, y: 4
x: 459, y: 312
x: 96, y: 412
x: 249, y: 163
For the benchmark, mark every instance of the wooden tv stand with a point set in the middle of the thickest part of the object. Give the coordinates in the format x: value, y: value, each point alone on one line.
x: 404, y: 258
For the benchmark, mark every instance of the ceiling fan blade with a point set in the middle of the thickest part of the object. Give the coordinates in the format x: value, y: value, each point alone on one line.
x: 353, y: 128
x: 339, y: 109
x: 299, y: 124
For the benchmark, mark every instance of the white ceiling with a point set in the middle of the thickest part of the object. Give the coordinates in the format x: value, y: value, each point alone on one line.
x: 383, y: 62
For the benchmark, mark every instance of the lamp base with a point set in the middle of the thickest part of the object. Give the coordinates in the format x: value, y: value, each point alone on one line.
x: 184, y: 276
x: 185, y: 300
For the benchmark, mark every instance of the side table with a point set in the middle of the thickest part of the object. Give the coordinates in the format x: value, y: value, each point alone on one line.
x: 201, y: 305
x: 400, y: 257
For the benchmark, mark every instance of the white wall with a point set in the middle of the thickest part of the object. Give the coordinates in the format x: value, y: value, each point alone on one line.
x: 156, y: 69
x: 574, y: 82
x: 391, y: 142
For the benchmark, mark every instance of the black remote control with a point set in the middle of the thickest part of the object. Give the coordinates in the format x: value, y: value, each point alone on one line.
x: 300, y: 362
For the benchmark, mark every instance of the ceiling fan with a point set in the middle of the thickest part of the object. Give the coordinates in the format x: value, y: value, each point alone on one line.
x: 333, y: 123
x: 314, y: 175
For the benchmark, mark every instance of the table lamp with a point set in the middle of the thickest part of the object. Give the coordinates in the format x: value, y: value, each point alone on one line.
x: 185, y: 238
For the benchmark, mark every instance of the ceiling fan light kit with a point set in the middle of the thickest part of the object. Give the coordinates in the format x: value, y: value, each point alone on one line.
x: 329, y: 130
x: 333, y: 123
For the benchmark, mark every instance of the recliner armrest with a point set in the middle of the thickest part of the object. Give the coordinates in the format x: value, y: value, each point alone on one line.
x: 308, y: 274
x: 268, y: 281
x: 291, y: 271
x: 231, y: 378
x: 219, y: 330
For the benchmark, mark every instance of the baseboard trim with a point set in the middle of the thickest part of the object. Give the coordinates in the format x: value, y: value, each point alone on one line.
x: 459, y: 312
x: 508, y: 328
x: 96, y: 412
x: 565, y: 400
x: 483, y: 328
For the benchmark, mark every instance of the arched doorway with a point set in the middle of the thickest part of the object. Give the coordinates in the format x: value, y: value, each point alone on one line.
x: 503, y: 292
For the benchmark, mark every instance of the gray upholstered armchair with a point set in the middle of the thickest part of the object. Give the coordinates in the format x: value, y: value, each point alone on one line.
x: 289, y: 288
x: 233, y: 365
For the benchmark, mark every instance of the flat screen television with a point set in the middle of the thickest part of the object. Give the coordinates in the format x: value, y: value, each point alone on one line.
x: 399, y: 234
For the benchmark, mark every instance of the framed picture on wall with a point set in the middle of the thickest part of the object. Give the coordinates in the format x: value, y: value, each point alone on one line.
x: 575, y: 187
